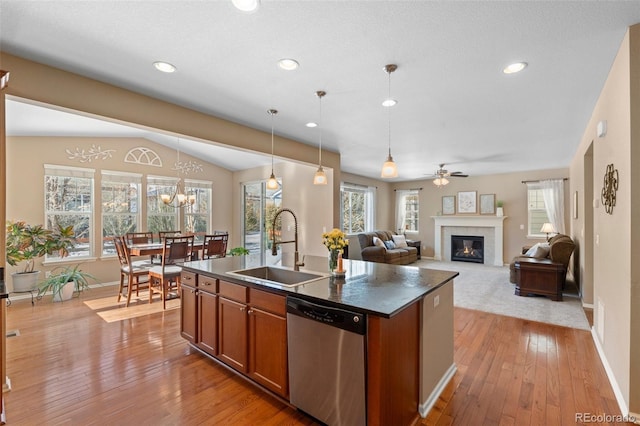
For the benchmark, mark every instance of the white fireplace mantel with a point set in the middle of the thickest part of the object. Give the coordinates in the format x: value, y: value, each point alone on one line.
x: 495, y: 222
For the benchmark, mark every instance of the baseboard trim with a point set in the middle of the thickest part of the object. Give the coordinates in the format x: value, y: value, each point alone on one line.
x: 612, y: 378
x: 588, y: 305
x: 426, y: 406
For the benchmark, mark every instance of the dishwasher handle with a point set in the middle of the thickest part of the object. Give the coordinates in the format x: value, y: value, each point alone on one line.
x: 335, y: 317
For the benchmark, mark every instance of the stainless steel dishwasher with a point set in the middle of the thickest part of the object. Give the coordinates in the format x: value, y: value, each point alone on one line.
x: 327, y: 362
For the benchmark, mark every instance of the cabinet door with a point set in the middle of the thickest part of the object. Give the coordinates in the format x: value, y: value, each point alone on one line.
x: 208, y: 322
x: 188, y: 313
x: 268, y: 350
x: 232, y: 333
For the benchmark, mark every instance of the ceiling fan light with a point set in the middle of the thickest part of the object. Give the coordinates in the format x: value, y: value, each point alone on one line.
x: 272, y: 183
x: 320, y: 178
x: 389, y: 168
x: 440, y: 181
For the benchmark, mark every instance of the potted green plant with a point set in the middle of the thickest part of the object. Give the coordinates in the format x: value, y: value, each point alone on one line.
x: 499, y: 210
x: 63, y: 281
x: 25, y: 243
x: 238, y: 251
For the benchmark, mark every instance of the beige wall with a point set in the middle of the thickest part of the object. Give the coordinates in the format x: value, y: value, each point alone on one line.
x: 25, y: 177
x: 616, y: 270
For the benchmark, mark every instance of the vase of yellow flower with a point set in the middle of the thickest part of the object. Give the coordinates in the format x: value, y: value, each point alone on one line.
x: 335, y: 241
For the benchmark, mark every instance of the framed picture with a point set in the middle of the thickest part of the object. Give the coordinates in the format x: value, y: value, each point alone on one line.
x: 467, y: 202
x: 449, y: 204
x: 487, y: 203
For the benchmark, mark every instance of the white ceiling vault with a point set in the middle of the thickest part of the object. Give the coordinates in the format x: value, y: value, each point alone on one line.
x: 455, y: 106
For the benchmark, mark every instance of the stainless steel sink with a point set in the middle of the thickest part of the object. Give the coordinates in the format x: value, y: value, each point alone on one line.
x: 275, y: 275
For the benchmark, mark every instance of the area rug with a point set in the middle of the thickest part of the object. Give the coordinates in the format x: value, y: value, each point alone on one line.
x: 487, y: 288
x: 111, y: 311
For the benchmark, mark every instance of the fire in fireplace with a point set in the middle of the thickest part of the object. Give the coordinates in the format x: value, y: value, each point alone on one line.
x: 467, y: 248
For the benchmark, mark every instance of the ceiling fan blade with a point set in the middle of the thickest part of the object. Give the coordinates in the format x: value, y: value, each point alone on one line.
x: 458, y: 174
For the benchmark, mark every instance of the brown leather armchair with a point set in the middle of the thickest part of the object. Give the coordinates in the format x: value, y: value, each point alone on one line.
x: 560, y: 250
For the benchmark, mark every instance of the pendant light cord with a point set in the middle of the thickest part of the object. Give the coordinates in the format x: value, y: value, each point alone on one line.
x: 389, y: 112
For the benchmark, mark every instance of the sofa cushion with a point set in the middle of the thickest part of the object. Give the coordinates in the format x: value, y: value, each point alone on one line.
x: 378, y: 242
x: 390, y: 245
x: 400, y: 241
x: 539, y: 251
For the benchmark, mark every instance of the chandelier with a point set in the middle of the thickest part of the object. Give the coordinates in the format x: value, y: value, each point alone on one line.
x: 179, y: 195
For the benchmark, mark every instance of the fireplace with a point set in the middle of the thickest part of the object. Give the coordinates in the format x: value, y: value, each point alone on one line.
x: 467, y: 248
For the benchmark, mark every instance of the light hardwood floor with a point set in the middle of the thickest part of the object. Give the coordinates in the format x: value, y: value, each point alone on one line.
x: 68, y: 366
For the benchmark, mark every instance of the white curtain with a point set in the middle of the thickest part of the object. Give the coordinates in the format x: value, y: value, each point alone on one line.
x: 401, y: 211
x: 553, y: 193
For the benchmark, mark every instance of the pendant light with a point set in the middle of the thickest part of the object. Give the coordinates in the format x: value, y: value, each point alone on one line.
x: 272, y: 183
x: 389, y: 168
x: 320, y: 178
x: 179, y: 195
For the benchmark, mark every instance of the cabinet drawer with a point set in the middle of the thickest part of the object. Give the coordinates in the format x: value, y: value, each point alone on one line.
x: 208, y: 284
x: 233, y: 291
x: 268, y: 301
x: 189, y: 278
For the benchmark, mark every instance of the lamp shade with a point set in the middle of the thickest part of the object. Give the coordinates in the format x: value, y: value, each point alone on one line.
x: 320, y: 178
x: 389, y: 169
x: 547, y: 227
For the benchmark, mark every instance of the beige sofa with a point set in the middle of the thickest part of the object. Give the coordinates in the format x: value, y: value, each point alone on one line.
x: 375, y: 253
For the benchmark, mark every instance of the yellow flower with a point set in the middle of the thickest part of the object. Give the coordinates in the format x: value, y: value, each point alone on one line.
x: 335, y: 239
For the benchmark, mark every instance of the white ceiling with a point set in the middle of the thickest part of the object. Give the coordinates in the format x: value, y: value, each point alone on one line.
x: 455, y: 106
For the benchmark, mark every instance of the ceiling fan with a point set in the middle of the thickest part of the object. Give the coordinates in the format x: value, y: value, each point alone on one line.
x: 442, y: 174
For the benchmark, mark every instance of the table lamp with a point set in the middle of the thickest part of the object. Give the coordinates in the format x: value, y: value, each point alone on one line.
x: 548, y: 228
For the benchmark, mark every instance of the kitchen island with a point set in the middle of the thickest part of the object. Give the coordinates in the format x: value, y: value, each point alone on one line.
x: 242, y: 322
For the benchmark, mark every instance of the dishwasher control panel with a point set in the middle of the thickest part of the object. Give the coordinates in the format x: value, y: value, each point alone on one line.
x: 341, y: 318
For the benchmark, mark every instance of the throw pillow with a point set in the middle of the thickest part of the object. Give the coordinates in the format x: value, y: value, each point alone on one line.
x: 389, y: 245
x: 378, y: 242
x: 400, y: 241
x: 539, y: 251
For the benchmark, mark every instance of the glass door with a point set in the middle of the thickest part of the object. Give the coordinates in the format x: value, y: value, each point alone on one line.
x: 260, y: 205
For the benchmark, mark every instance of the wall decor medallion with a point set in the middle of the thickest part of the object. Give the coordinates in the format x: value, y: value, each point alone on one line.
x: 88, y: 155
x: 144, y: 156
x: 608, y: 195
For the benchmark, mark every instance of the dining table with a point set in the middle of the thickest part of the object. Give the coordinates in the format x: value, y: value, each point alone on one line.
x: 149, y: 249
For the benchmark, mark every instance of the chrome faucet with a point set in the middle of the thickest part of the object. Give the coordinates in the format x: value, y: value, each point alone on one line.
x: 274, y: 245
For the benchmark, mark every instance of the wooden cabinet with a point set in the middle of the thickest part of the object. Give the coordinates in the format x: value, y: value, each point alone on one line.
x: 246, y: 328
x: 268, y: 350
x: 188, y: 313
x: 207, y: 317
x: 232, y: 333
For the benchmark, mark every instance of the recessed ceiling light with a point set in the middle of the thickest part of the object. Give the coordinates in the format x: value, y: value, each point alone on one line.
x: 514, y: 68
x: 288, y: 64
x: 164, y: 66
x: 389, y: 102
x: 311, y: 124
x: 246, y: 5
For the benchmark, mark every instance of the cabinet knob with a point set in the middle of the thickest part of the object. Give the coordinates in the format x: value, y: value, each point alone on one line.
x: 242, y: 309
x: 250, y: 311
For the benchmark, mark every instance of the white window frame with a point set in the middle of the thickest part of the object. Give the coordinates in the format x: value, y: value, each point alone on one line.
x: 79, y: 173
x: 369, y: 206
x: 200, y: 186
x: 403, y: 210
x: 534, y: 196
x: 132, y: 179
x: 166, y: 211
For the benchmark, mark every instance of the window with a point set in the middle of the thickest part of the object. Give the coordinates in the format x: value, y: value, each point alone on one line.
x: 197, y: 216
x: 68, y: 202
x: 537, y: 211
x: 408, y: 211
x: 160, y: 217
x: 357, y: 205
x: 120, y: 206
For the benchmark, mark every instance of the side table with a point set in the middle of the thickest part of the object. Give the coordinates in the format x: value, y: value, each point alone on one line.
x: 416, y: 244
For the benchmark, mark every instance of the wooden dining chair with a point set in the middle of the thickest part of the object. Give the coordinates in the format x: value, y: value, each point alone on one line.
x: 142, y: 238
x: 215, y: 245
x: 165, y: 278
x: 131, y: 272
x: 163, y: 234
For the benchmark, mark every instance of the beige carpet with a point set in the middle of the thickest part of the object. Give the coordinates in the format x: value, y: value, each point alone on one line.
x: 110, y: 310
x: 487, y: 288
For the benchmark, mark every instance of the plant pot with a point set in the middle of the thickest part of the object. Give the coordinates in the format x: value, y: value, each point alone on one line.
x: 25, y: 281
x: 66, y: 292
x: 499, y: 212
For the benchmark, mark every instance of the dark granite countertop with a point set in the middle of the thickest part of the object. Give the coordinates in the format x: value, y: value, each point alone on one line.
x: 371, y: 288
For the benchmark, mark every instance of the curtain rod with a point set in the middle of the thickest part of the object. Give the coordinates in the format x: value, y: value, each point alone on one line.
x: 410, y: 189
x: 536, y: 181
x: 358, y: 185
